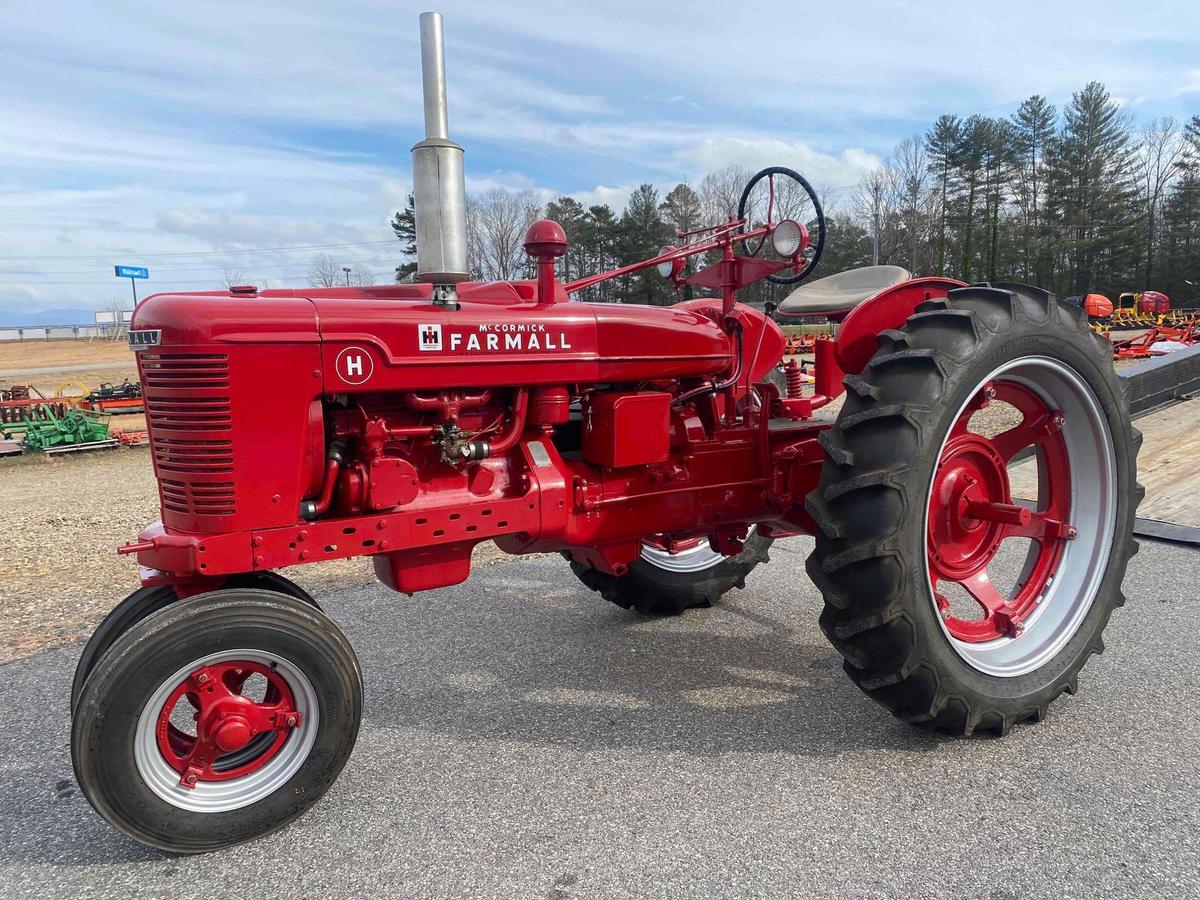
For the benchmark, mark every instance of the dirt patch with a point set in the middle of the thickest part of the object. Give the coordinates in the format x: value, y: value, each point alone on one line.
x: 58, y: 566
x: 45, y: 354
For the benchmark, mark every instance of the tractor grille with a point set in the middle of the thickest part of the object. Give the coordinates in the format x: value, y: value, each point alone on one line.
x: 188, y: 411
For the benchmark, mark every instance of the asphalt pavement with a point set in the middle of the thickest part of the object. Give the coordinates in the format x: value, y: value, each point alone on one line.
x: 523, y: 738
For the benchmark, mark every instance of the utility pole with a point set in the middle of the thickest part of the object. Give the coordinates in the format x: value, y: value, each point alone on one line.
x: 346, y: 269
x: 876, y: 189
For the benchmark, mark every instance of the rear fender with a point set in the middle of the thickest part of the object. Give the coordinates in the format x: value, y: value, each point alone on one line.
x: 890, y: 308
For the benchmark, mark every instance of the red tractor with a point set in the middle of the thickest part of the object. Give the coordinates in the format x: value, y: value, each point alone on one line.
x: 653, y: 447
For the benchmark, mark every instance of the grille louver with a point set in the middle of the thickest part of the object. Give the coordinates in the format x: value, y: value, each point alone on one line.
x: 190, y: 423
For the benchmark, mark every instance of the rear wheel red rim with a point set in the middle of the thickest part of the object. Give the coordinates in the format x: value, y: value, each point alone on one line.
x: 972, y: 512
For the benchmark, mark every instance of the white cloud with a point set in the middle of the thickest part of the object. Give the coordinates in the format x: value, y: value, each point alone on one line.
x: 1191, y: 86
x: 823, y: 169
x: 615, y: 197
x: 139, y: 129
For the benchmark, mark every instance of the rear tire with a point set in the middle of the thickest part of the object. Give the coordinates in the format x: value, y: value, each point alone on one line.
x: 131, y: 747
x: 880, y: 548
x: 657, y: 585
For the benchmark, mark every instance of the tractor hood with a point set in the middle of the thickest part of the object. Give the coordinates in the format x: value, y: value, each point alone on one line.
x: 394, y: 338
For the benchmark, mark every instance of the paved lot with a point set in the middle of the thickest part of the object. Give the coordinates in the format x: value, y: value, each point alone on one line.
x: 524, y: 739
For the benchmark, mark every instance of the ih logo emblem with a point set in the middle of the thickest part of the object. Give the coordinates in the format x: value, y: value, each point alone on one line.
x: 354, y: 365
x: 429, y: 337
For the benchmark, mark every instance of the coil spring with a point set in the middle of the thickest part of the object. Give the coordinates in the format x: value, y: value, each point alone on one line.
x: 795, y: 379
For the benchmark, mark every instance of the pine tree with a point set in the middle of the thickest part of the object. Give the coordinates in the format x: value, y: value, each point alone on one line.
x: 972, y: 149
x: 600, y: 235
x: 570, y: 214
x: 680, y: 209
x: 1033, y: 126
x: 999, y: 159
x: 942, y: 143
x: 1090, y: 188
x: 643, y: 232
x: 404, y: 224
x: 1181, y: 223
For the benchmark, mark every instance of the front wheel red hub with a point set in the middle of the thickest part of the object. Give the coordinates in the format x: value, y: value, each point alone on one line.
x: 226, y: 730
x: 972, y: 512
x: 235, y: 734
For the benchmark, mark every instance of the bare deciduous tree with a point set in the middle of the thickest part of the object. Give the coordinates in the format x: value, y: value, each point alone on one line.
x: 720, y: 192
x: 913, y: 183
x: 325, y: 272
x: 231, y: 276
x: 1158, y: 153
x: 496, y: 224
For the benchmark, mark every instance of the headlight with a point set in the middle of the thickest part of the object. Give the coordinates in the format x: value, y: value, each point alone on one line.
x: 666, y: 268
x: 787, y: 237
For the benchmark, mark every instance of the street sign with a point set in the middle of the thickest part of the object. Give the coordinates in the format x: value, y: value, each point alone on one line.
x: 132, y: 272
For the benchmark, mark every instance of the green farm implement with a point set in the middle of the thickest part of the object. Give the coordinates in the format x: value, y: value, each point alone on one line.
x: 53, y: 432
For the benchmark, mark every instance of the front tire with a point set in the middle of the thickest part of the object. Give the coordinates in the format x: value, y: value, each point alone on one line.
x: 148, y: 600
x: 217, y: 719
x: 914, y: 502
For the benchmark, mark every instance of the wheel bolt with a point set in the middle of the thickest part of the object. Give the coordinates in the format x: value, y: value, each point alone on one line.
x: 202, y: 677
x: 1058, y: 421
x: 190, y: 779
x: 291, y: 721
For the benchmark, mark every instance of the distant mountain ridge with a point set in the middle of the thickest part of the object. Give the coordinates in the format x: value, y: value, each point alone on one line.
x: 61, y: 316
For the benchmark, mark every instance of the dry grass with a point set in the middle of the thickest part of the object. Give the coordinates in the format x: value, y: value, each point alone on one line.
x: 53, y: 364
x: 43, y: 354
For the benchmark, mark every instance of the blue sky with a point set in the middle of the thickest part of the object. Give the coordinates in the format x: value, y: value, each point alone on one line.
x: 160, y: 133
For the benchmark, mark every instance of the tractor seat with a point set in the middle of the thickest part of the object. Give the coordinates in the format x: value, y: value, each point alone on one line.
x: 842, y: 292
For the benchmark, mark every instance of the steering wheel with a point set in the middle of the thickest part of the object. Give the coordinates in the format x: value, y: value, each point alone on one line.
x: 785, y: 201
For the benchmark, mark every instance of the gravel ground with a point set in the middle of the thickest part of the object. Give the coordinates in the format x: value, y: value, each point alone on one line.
x: 525, y: 739
x: 59, y: 570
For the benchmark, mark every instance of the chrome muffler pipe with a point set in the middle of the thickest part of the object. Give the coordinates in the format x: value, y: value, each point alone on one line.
x: 439, y: 189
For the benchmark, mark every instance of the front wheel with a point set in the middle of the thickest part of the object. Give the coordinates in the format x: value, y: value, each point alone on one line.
x: 976, y: 510
x: 148, y: 600
x: 216, y: 719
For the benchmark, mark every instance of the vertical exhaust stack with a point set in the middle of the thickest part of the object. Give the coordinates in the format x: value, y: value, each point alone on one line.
x: 439, y: 190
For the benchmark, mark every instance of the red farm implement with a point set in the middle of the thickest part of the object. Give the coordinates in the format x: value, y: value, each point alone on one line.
x: 650, y: 446
x: 115, y: 400
x: 797, y: 344
x: 21, y: 404
x: 1160, y: 340
x: 130, y: 438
